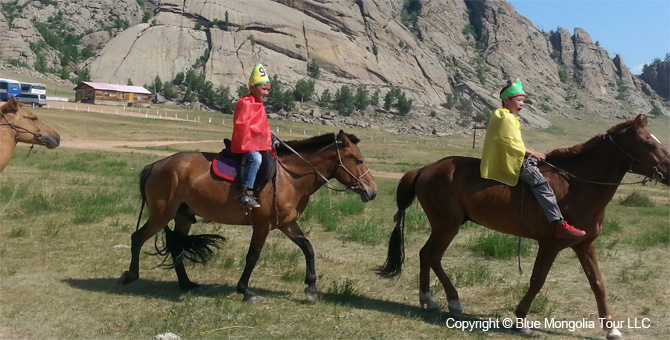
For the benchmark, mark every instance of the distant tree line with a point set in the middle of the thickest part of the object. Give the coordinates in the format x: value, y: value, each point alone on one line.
x: 191, y: 86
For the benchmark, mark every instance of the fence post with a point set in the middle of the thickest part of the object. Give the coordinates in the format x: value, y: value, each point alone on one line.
x: 474, y: 133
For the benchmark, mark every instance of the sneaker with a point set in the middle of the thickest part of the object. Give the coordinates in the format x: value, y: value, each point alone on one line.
x: 566, y: 231
x: 248, y: 201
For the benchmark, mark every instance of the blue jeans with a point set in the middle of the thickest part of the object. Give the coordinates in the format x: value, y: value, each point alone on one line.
x: 540, y: 188
x: 254, y: 160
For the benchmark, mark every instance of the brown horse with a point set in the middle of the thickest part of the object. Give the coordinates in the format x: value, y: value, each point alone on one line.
x: 584, y: 178
x: 182, y: 185
x: 20, y: 125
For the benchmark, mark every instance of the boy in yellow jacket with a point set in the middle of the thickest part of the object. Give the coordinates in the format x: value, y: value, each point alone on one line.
x: 505, y: 158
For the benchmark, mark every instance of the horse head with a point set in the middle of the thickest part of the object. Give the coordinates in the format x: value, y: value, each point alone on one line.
x: 352, y: 171
x: 26, y: 126
x: 649, y: 157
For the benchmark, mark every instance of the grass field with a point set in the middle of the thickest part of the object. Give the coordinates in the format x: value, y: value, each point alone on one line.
x: 66, y: 216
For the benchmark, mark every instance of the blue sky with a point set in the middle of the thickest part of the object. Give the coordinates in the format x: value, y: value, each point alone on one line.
x: 639, y: 30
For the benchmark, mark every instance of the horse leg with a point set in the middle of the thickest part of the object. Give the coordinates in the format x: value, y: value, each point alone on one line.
x: 431, y: 257
x: 137, y: 239
x: 258, y: 237
x: 293, y: 231
x: 587, y: 257
x: 546, y: 254
x: 183, y: 227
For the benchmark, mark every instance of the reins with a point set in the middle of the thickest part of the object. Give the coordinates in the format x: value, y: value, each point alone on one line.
x: 327, y: 183
x: 656, y: 177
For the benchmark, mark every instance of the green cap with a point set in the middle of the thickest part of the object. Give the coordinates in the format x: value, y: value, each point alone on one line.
x: 512, y: 90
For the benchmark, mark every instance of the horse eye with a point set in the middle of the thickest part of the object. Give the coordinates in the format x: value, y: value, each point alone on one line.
x: 359, y: 161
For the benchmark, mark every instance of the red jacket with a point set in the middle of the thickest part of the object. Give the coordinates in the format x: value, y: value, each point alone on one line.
x: 251, y: 130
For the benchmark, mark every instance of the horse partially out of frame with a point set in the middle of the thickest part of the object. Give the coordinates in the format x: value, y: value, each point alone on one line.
x: 584, y: 178
x: 18, y: 125
x: 181, y: 186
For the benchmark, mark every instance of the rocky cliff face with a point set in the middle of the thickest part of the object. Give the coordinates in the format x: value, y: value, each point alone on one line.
x: 657, y: 75
x: 454, y: 47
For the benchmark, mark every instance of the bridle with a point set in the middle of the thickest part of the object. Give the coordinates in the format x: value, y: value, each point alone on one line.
x: 327, y: 183
x: 19, y: 130
x: 656, y: 177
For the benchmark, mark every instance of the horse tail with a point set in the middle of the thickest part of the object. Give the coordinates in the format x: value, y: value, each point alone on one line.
x: 396, y: 252
x: 144, y: 175
x: 196, y: 248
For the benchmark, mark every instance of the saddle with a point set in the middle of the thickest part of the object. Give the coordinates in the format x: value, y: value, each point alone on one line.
x: 229, y: 166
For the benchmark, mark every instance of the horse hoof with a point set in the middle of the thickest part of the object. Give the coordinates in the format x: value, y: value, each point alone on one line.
x: 312, y: 294
x: 525, y: 331
x: 430, y: 304
x: 127, y: 277
x: 189, y: 286
x: 455, y: 307
x: 613, y: 334
x: 250, y: 299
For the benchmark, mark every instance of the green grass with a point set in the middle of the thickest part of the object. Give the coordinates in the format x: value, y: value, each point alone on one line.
x: 499, y: 246
x: 67, y: 216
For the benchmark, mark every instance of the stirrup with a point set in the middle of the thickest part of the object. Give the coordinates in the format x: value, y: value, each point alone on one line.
x: 247, y: 200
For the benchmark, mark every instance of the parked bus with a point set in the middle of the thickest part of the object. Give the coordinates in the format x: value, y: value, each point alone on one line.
x: 9, y: 88
x: 33, y: 88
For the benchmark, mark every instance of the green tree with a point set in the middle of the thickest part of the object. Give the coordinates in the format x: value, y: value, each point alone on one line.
x: 129, y: 82
x: 304, y: 90
x: 313, y: 69
x: 224, y: 100
x: 242, y: 91
x: 326, y: 98
x: 207, y: 93
x: 41, y: 64
x: 404, y: 104
x: 390, y: 97
x: 168, y: 91
x: 158, y: 84
x: 361, y: 100
x: 278, y: 98
x: 178, y: 78
x: 83, y: 75
x: 344, y: 100
x: 189, y: 96
x: 374, y: 99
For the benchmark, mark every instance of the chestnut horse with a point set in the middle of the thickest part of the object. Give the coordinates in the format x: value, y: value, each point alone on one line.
x: 20, y: 125
x: 182, y: 185
x: 584, y: 178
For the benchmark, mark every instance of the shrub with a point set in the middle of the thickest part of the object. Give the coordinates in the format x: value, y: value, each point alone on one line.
x: 498, y: 245
x: 655, y: 112
x: 637, y: 199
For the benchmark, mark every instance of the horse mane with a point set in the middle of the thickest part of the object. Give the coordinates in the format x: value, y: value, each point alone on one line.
x: 579, y: 149
x: 312, y: 144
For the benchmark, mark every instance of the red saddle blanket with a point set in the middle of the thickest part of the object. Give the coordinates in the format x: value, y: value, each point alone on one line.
x: 228, y: 166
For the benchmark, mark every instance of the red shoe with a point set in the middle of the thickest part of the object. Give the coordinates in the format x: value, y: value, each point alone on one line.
x: 566, y: 231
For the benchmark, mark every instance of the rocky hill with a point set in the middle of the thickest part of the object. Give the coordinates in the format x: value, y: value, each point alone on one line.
x: 431, y: 50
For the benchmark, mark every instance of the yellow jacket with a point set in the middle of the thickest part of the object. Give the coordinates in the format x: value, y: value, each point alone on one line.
x: 503, y: 148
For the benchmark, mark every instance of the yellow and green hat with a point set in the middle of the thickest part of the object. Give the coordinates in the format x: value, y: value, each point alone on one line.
x: 258, y: 75
x: 512, y: 90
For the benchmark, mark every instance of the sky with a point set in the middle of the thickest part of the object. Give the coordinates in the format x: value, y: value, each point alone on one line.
x: 638, y: 30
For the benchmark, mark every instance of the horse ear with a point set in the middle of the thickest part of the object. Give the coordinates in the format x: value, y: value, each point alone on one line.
x: 11, y: 106
x: 640, y: 121
x: 341, y: 135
